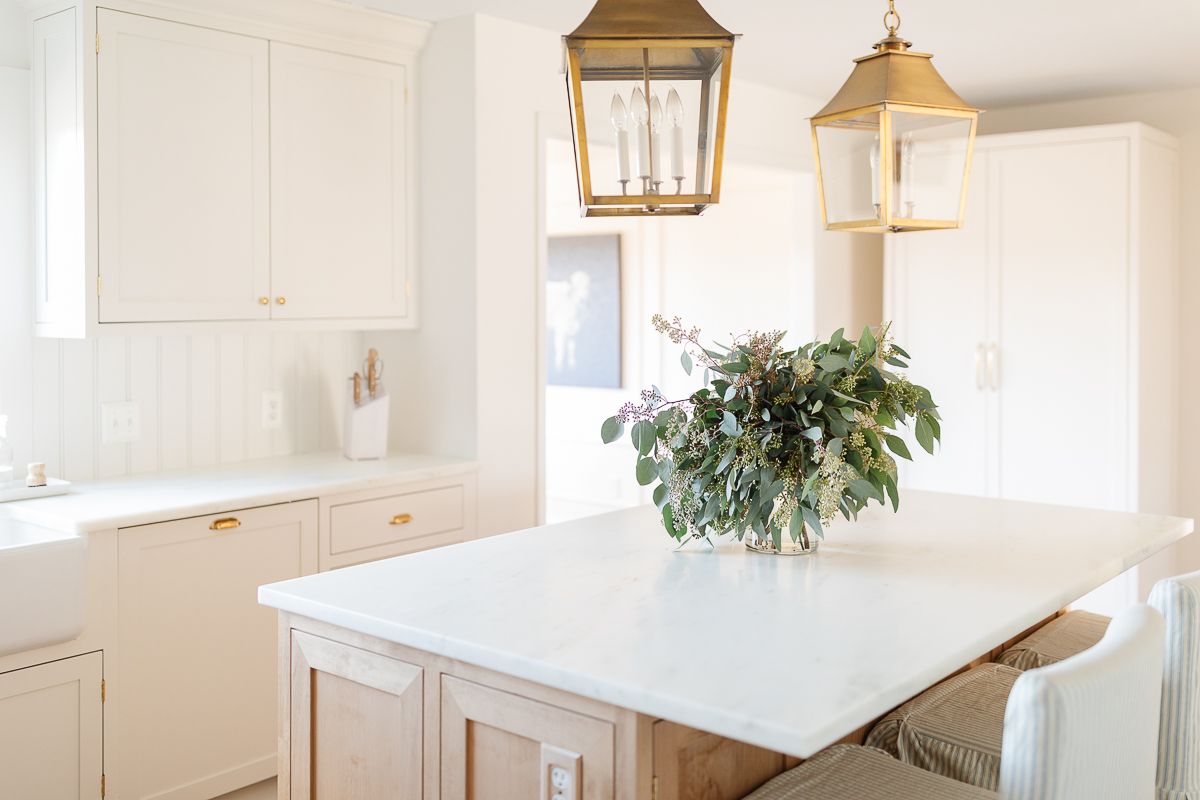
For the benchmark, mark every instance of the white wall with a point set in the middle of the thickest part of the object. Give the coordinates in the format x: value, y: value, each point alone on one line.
x: 1178, y: 113
x: 200, y: 396
x: 14, y: 43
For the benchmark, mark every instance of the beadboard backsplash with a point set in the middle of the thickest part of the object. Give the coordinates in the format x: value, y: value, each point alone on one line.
x: 200, y: 399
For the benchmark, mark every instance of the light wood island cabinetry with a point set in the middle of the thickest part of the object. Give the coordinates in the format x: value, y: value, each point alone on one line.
x: 588, y: 661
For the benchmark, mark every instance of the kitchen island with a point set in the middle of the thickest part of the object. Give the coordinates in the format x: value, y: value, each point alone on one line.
x: 590, y: 655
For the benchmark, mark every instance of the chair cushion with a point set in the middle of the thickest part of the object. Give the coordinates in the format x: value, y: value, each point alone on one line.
x: 954, y: 729
x: 848, y: 772
x: 1071, y: 633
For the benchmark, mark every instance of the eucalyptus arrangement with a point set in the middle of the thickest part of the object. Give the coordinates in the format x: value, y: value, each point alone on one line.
x: 777, y: 442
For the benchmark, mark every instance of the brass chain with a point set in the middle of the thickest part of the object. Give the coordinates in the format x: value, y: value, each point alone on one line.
x: 891, y: 19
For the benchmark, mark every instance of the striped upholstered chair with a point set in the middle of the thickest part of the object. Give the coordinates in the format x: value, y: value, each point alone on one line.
x: 1082, y: 729
x: 956, y: 728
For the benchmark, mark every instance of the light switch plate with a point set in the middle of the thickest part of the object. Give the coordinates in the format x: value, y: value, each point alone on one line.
x: 562, y: 774
x: 120, y: 423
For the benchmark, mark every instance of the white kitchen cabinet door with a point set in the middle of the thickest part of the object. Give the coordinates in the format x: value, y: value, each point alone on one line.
x: 197, y: 652
x: 58, y: 191
x: 339, y: 176
x: 183, y: 172
x: 52, y: 731
x: 937, y: 301
x: 1061, y: 220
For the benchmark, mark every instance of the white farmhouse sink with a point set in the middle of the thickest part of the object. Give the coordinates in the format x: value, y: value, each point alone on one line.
x: 42, y: 586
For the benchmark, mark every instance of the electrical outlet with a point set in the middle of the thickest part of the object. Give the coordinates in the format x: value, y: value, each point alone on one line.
x: 120, y: 422
x: 561, y: 773
x: 272, y: 410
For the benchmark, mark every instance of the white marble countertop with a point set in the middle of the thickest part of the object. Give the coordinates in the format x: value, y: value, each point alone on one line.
x: 139, y: 500
x: 788, y: 653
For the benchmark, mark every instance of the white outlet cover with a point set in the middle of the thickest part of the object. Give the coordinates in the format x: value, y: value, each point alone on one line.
x: 272, y: 410
x: 120, y: 423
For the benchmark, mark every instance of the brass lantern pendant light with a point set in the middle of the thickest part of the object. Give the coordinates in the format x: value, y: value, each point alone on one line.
x: 894, y: 146
x: 648, y: 87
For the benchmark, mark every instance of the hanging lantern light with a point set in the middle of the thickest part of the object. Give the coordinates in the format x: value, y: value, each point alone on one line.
x: 894, y: 146
x: 648, y: 85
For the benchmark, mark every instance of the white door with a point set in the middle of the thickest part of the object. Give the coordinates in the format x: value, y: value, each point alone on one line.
x: 338, y: 186
x: 938, y: 305
x: 198, y: 663
x: 52, y: 731
x: 183, y: 172
x: 1061, y: 218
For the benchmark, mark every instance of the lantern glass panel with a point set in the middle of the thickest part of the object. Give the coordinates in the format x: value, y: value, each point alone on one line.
x: 850, y: 162
x: 661, y: 142
x: 930, y: 158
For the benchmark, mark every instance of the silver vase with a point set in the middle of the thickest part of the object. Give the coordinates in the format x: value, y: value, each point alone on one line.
x: 805, y: 544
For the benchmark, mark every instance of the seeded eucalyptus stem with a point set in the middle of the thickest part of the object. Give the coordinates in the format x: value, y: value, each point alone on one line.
x: 777, y: 439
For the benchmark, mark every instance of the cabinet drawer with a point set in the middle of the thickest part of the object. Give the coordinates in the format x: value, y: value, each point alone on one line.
x: 365, y: 527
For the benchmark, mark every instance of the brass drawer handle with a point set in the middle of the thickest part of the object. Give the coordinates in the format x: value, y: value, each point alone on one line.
x: 401, y: 519
x: 228, y: 523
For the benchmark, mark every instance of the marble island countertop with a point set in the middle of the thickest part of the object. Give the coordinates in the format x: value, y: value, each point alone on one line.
x: 143, y: 499
x: 788, y: 653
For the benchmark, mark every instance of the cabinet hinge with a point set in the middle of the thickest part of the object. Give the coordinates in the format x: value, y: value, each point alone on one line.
x: 103, y: 782
x: 97, y: 44
x: 103, y: 690
x: 654, y: 788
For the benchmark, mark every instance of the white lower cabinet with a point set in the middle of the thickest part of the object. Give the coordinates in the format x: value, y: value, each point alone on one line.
x: 197, y: 660
x: 51, y: 730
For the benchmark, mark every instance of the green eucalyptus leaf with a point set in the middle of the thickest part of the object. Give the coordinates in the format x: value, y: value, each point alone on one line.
x: 866, y: 342
x: 643, y: 436
x: 925, y: 434
x: 647, y: 471
x: 686, y: 360
x: 897, y: 446
x: 893, y: 492
x: 727, y: 459
x: 833, y: 363
x: 729, y: 424
x: 611, y: 430
x: 660, y: 495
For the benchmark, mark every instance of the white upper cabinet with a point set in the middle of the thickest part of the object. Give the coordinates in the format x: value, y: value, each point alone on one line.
x: 221, y: 169
x: 184, y: 170
x: 339, y: 171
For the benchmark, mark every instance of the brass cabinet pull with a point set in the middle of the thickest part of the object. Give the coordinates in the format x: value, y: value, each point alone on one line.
x: 262, y: 301
x: 228, y: 523
x: 401, y: 519
x: 281, y: 300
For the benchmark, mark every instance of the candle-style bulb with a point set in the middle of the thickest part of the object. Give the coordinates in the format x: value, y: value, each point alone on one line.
x: 638, y: 107
x: 656, y: 114
x: 617, y: 114
x: 674, y: 109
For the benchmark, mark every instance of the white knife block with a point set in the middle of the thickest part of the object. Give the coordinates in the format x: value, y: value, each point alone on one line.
x: 366, y: 431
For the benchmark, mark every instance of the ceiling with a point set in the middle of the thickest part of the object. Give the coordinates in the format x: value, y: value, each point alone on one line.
x: 993, y: 54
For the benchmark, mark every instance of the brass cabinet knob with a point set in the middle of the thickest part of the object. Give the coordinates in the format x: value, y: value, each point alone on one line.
x: 228, y: 523
x: 262, y: 301
x: 281, y: 300
x: 401, y: 519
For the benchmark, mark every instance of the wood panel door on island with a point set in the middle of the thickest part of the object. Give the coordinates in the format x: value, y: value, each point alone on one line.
x: 52, y: 730
x: 184, y: 172
x: 356, y: 723
x: 197, y: 669
x: 496, y: 745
